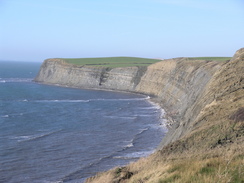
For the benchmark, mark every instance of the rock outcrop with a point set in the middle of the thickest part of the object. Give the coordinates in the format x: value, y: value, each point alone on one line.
x: 56, y: 71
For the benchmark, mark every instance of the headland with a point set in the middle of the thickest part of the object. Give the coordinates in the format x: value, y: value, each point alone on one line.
x: 204, y: 102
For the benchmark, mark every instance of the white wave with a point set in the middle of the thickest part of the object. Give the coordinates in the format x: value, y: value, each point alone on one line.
x: 15, y: 80
x: 142, y: 130
x: 129, y: 145
x: 131, y: 142
x: 143, y: 115
x: 121, y: 117
x: 46, y: 181
x: 151, y: 107
x: 13, y: 114
x: 25, y: 138
x: 5, y: 116
x: 24, y: 100
x: 66, y: 101
x: 134, y: 155
x: 127, y: 99
x: 159, y: 126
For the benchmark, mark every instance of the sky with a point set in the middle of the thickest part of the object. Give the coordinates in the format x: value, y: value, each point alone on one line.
x: 34, y: 30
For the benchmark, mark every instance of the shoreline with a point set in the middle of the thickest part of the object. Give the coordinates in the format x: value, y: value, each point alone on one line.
x: 162, y: 120
x: 153, y: 100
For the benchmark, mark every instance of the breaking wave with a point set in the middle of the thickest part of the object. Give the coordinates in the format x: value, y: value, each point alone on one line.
x: 61, y: 101
x: 25, y: 138
x: 134, y: 155
x: 15, y: 80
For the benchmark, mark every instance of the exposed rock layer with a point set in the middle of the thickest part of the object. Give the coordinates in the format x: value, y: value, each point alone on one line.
x: 183, y: 87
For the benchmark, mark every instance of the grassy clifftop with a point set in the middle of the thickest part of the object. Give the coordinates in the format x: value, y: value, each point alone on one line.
x: 114, y: 62
x: 111, y: 62
x: 211, y: 58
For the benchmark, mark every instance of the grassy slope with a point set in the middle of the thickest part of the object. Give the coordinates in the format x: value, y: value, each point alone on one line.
x: 222, y: 167
x: 111, y: 61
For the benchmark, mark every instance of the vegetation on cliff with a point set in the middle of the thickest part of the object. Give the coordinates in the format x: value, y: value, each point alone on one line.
x: 111, y: 62
x: 211, y: 58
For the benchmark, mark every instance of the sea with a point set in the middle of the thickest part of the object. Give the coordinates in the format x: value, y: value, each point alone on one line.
x: 53, y: 134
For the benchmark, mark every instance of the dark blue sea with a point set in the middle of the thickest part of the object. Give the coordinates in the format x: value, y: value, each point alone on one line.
x: 57, y: 134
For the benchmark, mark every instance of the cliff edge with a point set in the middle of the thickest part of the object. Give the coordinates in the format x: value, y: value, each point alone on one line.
x: 176, y: 84
x: 204, y: 102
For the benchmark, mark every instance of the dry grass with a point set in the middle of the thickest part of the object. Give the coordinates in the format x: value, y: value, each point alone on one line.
x: 220, y: 165
x: 228, y: 168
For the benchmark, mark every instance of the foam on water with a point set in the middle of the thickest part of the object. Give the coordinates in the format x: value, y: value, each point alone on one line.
x: 5, y: 116
x: 61, y: 101
x: 122, y: 117
x: 15, y: 80
x: 25, y: 138
x: 134, y: 155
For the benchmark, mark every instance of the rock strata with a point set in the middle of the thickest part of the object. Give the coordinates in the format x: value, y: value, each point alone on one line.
x: 56, y: 71
x: 185, y: 88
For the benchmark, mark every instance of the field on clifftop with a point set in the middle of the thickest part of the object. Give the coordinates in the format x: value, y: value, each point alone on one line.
x: 114, y: 62
x: 111, y: 62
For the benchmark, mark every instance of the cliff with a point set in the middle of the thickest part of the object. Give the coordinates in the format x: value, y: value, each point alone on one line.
x: 57, y: 71
x: 204, y: 101
x: 176, y: 84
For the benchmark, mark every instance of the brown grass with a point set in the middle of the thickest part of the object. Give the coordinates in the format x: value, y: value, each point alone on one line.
x: 220, y: 165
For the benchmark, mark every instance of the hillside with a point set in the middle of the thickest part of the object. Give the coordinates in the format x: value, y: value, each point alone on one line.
x: 204, y: 101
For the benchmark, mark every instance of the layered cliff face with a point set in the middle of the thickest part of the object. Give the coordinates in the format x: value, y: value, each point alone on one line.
x: 56, y: 71
x: 206, y: 142
x: 177, y: 84
x: 204, y: 101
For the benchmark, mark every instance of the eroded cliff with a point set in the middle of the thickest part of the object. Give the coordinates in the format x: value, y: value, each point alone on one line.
x: 56, y: 71
x: 204, y: 101
x: 206, y: 141
x: 176, y: 84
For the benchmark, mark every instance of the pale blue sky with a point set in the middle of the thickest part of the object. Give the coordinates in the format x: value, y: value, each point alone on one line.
x: 33, y: 30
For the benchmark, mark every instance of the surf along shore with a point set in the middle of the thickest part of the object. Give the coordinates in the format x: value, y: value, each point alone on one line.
x: 204, y: 102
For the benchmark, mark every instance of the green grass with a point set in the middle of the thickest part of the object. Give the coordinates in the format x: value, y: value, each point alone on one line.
x: 114, y: 62
x: 111, y: 61
x: 211, y: 58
